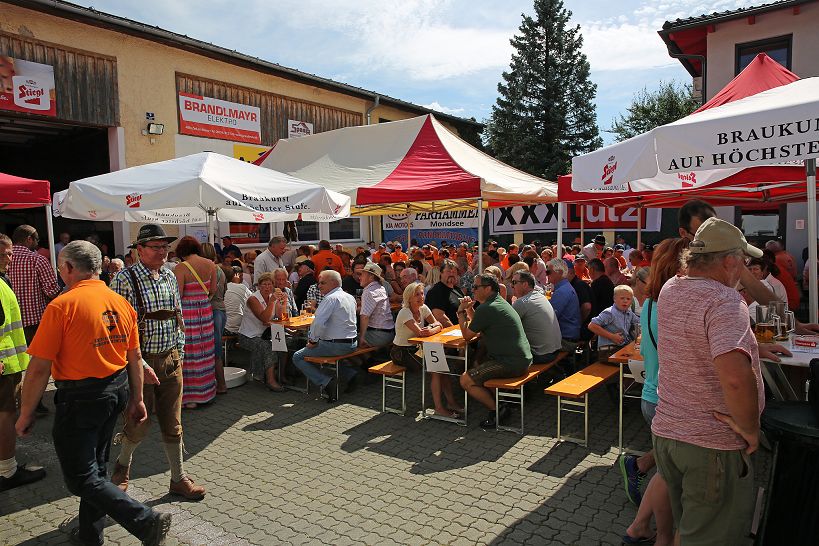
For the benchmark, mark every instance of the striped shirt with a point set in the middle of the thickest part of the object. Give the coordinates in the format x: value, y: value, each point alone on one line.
x: 158, y: 294
x: 376, y: 305
x: 33, y: 281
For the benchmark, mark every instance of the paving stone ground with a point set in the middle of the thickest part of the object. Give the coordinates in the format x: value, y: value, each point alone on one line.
x: 291, y: 469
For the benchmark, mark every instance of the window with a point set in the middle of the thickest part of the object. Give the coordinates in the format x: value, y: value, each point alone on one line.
x: 778, y: 49
x: 346, y: 229
x: 244, y: 233
x: 308, y: 231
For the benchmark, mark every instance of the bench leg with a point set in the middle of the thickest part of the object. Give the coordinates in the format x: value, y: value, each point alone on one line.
x: 586, y: 420
x: 585, y: 411
x: 559, y: 411
x: 383, y: 393
x: 509, y: 398
x: 393, y: 382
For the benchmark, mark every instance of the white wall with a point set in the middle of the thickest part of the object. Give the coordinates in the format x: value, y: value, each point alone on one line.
x: 721, y: 43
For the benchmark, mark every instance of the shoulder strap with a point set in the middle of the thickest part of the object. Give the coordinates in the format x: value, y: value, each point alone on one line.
x: 140, y: 303
x: 199, y: 279
x: 650, y: 333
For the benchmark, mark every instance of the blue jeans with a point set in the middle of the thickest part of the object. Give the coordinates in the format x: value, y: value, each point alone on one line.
x: 83, y: 426
x: 219, y: 321
x: 324, y: 348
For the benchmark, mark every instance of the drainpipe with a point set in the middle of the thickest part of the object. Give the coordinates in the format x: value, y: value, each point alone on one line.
x: 373, y: 107
x: 702, y: 60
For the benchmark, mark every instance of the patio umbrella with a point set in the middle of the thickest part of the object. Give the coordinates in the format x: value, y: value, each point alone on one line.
x: 773, y: 126
x: 197, y: 188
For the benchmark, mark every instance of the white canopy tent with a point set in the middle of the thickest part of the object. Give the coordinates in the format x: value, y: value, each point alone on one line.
x: 199, y: 188
x: 774, y: 126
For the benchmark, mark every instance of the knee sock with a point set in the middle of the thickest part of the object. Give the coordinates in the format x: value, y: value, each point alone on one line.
x: 128, y: 448
x: 174, y: 454
x: 8, y: 468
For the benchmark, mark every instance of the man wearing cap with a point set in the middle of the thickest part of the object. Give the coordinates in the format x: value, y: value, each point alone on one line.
x: 595, y: 248
x: 332, y: 333
x: 398, y: 255
x: 377, y: 325
x: 228, y: 246
x: 153, y: 291
x: 619, y: 255
x: 710, y: 390
x: 307, y: 278
x: 88, y: 340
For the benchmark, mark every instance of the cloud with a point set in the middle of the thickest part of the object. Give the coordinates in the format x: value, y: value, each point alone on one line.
x: 434, y: 105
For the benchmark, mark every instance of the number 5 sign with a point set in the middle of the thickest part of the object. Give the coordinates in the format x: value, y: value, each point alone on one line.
x: 434, y: 357
x: 277, y: 338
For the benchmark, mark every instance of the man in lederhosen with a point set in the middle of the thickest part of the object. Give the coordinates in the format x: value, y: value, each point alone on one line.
x: 154, y: 293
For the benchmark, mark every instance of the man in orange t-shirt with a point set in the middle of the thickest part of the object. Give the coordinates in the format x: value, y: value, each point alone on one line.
x: 398, y: 255
x: 325, y: 258
x: 87, y: 339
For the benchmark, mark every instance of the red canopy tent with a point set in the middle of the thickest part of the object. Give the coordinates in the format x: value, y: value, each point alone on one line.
x: 23, y: 193
x: 771, y: 185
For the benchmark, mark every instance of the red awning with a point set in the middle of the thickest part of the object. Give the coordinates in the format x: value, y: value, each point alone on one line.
x: 21, y: 193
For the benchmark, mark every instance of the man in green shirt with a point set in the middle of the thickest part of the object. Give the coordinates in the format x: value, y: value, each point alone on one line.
x: 502, y: 335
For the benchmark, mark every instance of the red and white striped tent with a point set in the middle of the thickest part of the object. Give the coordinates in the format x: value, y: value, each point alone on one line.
x: 412, y: 165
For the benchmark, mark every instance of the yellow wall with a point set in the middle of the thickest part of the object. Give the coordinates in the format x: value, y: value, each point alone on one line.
x: 146, y: 74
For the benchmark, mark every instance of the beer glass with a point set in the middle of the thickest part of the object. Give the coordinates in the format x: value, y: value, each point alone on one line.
x: 767, y: 325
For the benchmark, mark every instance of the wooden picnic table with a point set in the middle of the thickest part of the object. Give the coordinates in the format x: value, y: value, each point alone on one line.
x: 300, y: 322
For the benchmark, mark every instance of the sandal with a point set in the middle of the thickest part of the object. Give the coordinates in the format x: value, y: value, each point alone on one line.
x: 449, y: 413
x: 629, y: 540
x: 191, y: 406
x: 277, y: 388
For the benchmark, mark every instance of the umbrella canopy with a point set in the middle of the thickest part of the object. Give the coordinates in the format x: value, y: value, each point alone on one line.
x: 189, y: 189
x: 414, y: 164
x: 633, y: 164
x: 21, y: 193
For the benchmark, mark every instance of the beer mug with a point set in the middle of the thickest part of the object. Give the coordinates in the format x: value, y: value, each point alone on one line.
x: 767, y: 325
x: 787, y: 326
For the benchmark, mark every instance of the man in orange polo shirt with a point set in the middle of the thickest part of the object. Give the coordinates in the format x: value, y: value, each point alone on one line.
x: 87, y: 339
x: 398, y: 255
x: 325, y: 258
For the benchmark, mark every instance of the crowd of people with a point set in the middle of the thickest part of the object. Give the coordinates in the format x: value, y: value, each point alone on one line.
x: 143, y: 335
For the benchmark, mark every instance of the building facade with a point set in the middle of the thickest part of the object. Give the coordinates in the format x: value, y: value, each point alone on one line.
x: 119, y: 93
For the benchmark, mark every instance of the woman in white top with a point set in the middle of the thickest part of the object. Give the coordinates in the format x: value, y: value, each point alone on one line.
x: 410, y: 322
x: 263, y: 306
x: 236, y: 294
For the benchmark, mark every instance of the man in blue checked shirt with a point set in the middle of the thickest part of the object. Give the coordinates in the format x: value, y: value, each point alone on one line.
x: 153, y: 291
x: 332, y: 333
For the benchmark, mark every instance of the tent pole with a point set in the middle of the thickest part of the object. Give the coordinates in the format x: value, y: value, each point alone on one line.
x: 639, y: 225
x: 582, y: 227
x: 480, y: 236
x: 810, y: 167
x: 408, y: 228
x: 50, y: 227
x: 560, y: 229
x: 210, y: 213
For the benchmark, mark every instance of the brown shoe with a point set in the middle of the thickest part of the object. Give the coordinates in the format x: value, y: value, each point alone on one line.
x: 120, y: 476
x: 186, y: 488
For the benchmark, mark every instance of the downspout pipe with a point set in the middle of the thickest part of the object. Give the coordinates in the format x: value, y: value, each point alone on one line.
x: 371, y: 108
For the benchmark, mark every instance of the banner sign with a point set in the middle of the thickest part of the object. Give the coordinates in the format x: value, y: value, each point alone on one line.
x: 214, y: 118
x: 543, y: 218
x: 297, y: 129
x: 451, y: 226
x: 27, y: 87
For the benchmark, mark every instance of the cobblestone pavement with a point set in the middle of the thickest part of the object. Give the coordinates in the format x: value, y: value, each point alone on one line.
x: 291, y: 469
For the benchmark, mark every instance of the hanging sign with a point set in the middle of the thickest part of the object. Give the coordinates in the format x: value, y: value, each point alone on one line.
x: 297, y: 129
x: 27, y: 87
x: 543, y: 218
x: 213, y: 118
x: 452, y: 226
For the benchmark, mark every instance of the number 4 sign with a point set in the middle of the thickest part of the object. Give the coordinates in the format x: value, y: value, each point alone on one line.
x: 434, y: 357
x: 277, y: 338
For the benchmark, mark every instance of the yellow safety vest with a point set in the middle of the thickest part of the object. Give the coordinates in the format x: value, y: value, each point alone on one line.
x: 12, y: 339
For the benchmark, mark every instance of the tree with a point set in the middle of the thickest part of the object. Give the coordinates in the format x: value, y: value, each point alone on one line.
x: 650, y: 109
x: 545, y: 113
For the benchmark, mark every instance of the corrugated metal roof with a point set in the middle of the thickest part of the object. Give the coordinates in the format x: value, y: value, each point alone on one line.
x: 95, y: 17
x: 716, y: 17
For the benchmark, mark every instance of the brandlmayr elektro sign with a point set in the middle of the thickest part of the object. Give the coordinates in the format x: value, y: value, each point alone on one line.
x: 214, y: 118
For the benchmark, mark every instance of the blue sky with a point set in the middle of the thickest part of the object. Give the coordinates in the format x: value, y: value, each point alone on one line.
x: 444, y: 54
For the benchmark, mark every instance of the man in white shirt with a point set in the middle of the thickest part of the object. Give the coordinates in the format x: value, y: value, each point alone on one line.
x: 377, y: 324
x: 271, y: 259
x: 595, y: 248
x: 332, y: 333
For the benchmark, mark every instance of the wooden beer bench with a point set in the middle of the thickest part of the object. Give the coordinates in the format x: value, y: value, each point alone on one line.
x: 335, y: 361
x: 579, y: 385
x: 515, y: 385
x: 392, y: 376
